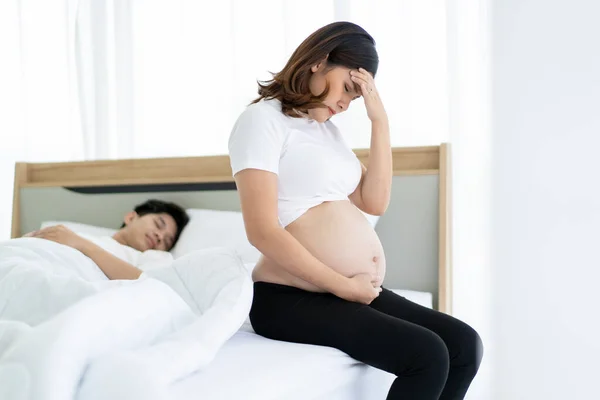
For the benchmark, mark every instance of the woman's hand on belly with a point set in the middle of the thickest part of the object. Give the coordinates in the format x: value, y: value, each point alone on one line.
x: 341, y: 238
x: 362, y: 288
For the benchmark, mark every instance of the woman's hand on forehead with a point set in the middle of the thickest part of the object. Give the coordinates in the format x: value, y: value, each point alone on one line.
x: 369, y: 92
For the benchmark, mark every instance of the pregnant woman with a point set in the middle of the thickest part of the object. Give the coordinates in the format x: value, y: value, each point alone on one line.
x: 320, y: 278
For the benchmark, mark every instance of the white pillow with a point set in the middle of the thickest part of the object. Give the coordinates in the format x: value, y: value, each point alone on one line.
x: 81, y: 228
x: 213, y: 228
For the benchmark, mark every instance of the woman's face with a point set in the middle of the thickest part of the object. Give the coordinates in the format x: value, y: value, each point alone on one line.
x: 342, y: 90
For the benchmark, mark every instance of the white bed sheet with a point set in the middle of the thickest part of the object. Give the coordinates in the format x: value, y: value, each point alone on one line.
x: 251, y: 367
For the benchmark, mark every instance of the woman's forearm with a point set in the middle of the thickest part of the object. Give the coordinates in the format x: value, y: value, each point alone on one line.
x: 285, y: 250
x: 377, y: 184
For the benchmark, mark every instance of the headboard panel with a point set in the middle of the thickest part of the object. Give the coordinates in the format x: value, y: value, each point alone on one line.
x: 415, y: 230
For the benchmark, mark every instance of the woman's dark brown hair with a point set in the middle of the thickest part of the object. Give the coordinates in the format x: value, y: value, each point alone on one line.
x: 343, y: 44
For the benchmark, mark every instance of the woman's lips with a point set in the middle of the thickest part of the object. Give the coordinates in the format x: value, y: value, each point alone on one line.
x: 331, y: 111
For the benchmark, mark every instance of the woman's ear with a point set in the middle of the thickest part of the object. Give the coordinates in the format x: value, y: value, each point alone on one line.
x: 129, y: 217
x: 320, y: 65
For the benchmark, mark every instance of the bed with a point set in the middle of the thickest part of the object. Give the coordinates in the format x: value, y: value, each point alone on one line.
x: 415, y: 233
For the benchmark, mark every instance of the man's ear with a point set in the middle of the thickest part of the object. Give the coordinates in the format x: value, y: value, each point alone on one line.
x: 129, y: 217
x: 320, y: 65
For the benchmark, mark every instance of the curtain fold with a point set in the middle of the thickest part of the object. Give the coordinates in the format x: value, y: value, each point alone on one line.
x: 104, y: 77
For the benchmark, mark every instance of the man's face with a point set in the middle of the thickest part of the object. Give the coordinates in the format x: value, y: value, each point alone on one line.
x: 150, y: 231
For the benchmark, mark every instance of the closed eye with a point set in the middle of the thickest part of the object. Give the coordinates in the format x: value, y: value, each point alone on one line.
x: 354, y: 88
x: 162, y: 225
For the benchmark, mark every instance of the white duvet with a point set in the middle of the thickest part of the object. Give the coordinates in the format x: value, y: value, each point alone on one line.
x: 66, y: 332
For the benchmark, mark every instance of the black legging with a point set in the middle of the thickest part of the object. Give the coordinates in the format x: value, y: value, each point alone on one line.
x: 433, y: 355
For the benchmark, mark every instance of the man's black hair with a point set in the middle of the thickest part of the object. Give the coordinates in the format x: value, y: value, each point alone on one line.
x: 154, y: 206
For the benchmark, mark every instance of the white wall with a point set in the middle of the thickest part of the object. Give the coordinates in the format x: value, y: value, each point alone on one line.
x: 546, y: 199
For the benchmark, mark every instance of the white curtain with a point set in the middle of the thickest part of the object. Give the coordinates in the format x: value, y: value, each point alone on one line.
x: 39, y: 106
x: 104, y: 77
x: 195, y: 67
x: 11, y: 115
x: 66, y: 85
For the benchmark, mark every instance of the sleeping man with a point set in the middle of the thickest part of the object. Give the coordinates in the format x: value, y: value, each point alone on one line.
x: 147, y: 234
x: 71, y: 305
x: 48, y: 270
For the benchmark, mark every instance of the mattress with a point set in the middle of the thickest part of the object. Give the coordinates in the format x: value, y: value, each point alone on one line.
x: 251, y: 367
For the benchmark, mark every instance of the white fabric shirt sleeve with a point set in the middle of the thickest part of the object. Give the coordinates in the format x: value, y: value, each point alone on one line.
x: 257, y: 140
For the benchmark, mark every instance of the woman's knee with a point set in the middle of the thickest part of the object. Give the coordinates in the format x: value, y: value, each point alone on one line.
x: 469, y: 351
x: 427, y: 356
x: 473, y: 348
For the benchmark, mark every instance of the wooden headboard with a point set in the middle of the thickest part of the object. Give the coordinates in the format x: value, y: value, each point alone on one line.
x: 415, y: 231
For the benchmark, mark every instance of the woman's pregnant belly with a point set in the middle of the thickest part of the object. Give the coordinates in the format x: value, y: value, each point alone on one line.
x: 338, y: 235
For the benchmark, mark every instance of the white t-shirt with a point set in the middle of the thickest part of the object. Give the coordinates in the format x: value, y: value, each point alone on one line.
x: 147, y: 260
x: 313, y: 162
